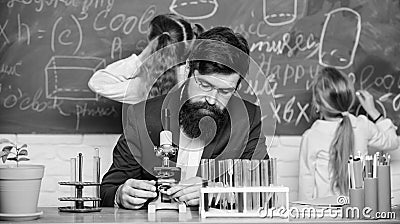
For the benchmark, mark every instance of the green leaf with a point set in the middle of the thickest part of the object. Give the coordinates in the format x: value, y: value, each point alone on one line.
x: 23, y: 146
x: 23, y: 152
x: 13, y: 159
x: 4, y: 140
x: 23, y: 159
x: 5, y: 152
x: 7, y: 149
x: 4, y: 156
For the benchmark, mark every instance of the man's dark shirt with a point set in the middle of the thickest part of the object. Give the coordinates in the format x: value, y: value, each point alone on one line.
x: 134, y: 156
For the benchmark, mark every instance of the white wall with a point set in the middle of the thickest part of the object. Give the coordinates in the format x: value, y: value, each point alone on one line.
x: 55, y: 151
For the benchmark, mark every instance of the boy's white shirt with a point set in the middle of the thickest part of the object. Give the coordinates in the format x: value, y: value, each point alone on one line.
x: 314, y: 178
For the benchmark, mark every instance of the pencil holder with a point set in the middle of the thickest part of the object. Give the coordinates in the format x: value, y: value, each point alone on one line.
x: 384, y: 203
x: 356, y: 196
x: 371, y: 195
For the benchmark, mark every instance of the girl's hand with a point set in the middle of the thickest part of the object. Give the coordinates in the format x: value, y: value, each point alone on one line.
x: 367, y: 102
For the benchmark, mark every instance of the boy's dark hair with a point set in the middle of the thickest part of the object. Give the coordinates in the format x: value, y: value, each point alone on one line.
x: 220, y: 50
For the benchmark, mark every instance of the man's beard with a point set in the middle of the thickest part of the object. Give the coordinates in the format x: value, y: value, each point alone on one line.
x: 190, y: 115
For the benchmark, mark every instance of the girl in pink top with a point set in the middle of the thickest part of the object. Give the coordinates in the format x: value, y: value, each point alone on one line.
x: 326, y: 146
x: 154, y: 71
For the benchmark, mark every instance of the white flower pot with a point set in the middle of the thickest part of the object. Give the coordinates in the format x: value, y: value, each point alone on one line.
x: 19, y: 189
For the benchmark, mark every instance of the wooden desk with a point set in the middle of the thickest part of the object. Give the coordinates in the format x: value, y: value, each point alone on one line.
x: 114, y: 215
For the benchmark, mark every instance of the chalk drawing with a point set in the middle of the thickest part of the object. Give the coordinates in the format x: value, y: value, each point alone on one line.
x: 67, y: 77
x: 338, y: 59
x: 194, y: 9
x: 279, y: 13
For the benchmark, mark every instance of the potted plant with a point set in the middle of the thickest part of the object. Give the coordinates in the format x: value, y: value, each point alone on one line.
x: 19, y: 184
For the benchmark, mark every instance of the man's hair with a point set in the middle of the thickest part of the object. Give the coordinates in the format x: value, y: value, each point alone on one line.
x: 220, y: 50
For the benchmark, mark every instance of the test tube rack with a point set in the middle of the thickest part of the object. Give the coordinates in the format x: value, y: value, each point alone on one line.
x: 78, y: 199
x: 242, y: 188
x: 264, y: 211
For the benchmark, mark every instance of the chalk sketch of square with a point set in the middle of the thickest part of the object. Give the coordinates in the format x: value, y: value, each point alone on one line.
x: 67, y: 77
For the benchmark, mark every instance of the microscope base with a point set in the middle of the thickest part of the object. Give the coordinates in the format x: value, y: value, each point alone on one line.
x: 157, y: 205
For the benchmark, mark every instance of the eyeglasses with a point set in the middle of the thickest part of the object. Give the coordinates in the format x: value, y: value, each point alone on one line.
x: 207, y: 87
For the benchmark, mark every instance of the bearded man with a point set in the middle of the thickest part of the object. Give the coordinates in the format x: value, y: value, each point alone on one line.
x: 208, y: 121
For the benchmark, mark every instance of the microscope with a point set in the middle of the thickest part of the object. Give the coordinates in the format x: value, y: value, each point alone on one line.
x: 166, y: 175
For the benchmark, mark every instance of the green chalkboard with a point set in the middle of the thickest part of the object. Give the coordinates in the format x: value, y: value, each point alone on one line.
x: 49, y: 50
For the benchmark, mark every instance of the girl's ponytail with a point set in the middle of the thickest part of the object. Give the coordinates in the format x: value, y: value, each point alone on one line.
x: 197, y: 29
x: 341, y: 148
x: 163, y: 40
x: 163, y: 71
x: 169, y: 37
x: 333, y: 95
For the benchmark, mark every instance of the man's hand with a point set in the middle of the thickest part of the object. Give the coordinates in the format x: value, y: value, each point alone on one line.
x: 134, y: 193
x: 187, y: 191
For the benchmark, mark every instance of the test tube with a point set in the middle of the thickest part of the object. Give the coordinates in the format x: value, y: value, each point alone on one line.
x: 237, y: 182
x: 80, y: 167
x: 205, y: 177
x: 211, y: 178
x: 222, y: 179
x: 79, y: 188
x: 204, y: 168
x: 264, y: 173
x: 247, y: 183
x: 73, y: 177
x: 96, y: 176
x: 255, y: 182
x: 211, y: 170
x: 272, y: 180
x: 73, y: 169
x: 229, y: 182
x: 272, y: 171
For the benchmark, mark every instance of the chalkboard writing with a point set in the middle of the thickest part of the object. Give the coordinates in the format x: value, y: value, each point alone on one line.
x: 49, y: 50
